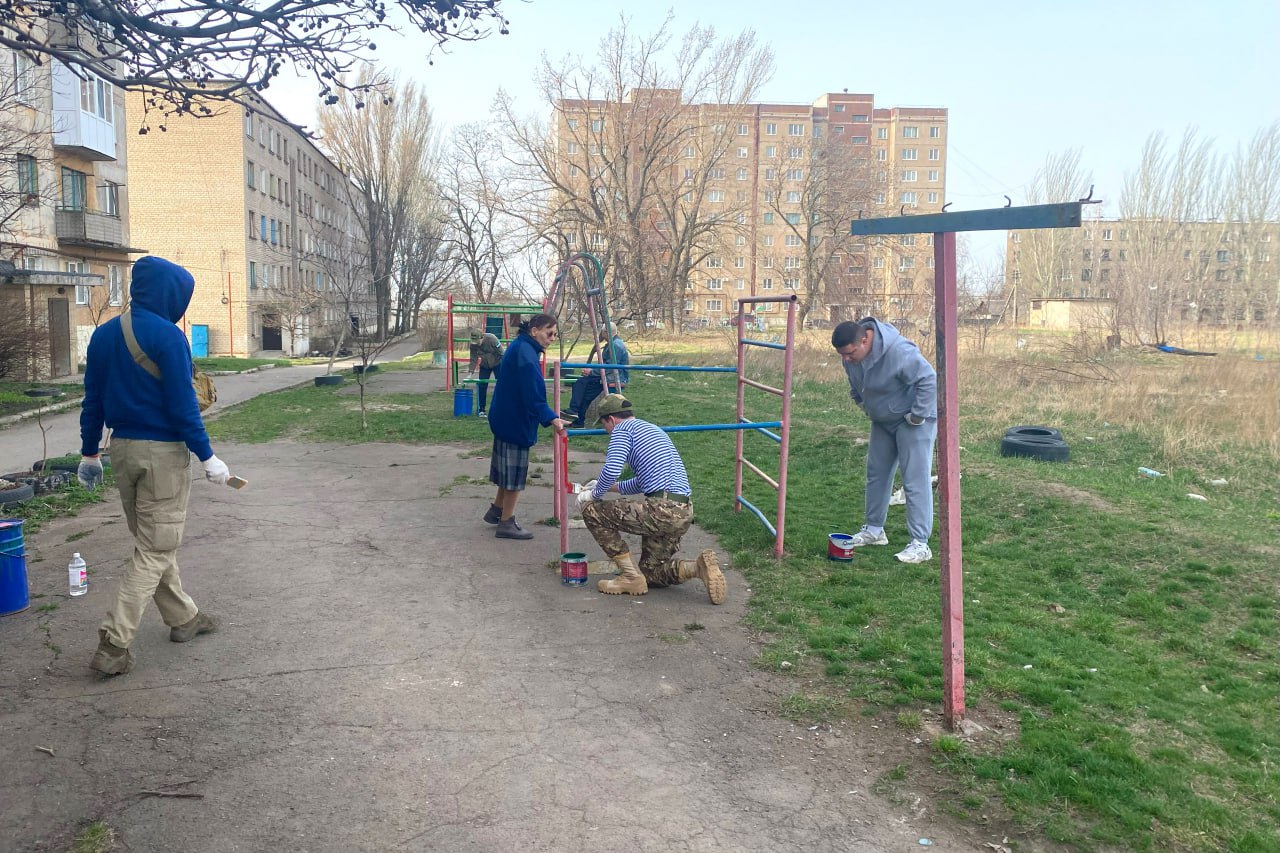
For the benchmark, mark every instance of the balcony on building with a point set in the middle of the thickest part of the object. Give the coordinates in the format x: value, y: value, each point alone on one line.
x: 83, y: 115
x: 79, y: 227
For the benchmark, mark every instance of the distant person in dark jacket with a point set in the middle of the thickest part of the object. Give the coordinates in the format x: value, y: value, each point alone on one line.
x: 897, y: 388
x: 486, y: 354
x: 519, y: 407
x: 156, y: 427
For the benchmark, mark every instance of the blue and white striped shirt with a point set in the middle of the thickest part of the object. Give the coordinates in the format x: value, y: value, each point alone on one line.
x: 651, y: 455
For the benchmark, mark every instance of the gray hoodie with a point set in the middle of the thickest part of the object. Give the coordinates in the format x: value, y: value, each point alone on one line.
x: 894, y: 380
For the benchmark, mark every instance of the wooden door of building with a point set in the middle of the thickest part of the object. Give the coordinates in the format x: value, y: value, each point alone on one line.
x: 59, y: 338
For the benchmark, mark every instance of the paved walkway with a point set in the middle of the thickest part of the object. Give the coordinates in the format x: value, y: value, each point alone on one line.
x: 389, y: 676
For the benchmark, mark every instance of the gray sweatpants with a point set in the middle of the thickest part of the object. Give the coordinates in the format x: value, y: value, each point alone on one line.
x: 901, y: 446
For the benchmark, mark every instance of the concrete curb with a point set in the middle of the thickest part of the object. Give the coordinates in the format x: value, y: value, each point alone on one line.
x: 43, y: 410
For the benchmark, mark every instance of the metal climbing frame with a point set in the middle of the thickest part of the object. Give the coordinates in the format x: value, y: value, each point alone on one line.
x: 594, y: 302
x: 483, y: 308
x: 783, y: 436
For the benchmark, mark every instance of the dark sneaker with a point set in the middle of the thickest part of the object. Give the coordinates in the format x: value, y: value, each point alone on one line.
x: 510, y: 529
x: 200, y: 624
x: 109, y: 659
x: 493, y: 515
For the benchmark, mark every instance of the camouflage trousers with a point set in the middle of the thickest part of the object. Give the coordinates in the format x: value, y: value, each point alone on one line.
x: 661, y: 523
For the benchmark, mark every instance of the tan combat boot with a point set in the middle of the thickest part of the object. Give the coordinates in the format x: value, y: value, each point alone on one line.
x: 706, y: 569
x: 629, y: 579
x: 111, y: 659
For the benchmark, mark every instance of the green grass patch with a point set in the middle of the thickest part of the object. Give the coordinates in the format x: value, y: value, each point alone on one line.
x: 14, y: 401
x: 97, y: 837
x: 226, y: 362
x: 1129, y: 631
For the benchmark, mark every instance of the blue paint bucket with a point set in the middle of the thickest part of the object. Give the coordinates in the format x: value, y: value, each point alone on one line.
x: 840, y: 547
x: 14, y: 597
x: 462, y: 398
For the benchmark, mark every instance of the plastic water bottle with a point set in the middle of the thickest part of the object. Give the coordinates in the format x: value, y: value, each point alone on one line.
x: 78, y: 575
x: 1149, y: 474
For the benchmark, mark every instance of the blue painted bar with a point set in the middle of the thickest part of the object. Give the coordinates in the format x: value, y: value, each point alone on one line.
x: 688, y: 428
x: 568, y: 365
x: 772, y: 435
x: 1064, y: 215
x: 766, y: 344
x: 759, y: 515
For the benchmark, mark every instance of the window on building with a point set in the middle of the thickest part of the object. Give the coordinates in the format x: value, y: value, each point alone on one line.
x: 793, y: 196
x: 597, y: 125
x: 1223, y: 256
x: 715, y: 284
x: 933, y: 198
x: 933, y: 174
x: 766, y: 284
x: 715, y: 304
x: 934, y: 154
x: 790, y: 262
x: 109, y: 198
x: 573, y: 124
x: 24, y: 78
x: 715, y: 196
x: 1106, y: 233
x: 839, y: 108
x: 739, y: 262
x: 858, y: 140
x: 909, y: 154
x: 1124, y: 254
x: 791, y: 283
x: 793, y: 219
x: 95, y: 98
x: 767, y: 263
x: 795, y: 130
x: 909, y: 175
x: 1106, y: 255
x: 771, y: 128
x: 909, y: 132
x: 882, y: 154
x: 1104, y: 276
x: 768, y: 219
x: 908, y: 239
x: 839, y: 130
x: 715, y: 262
x: 771, y: 151
x: 250, y: 175
x: 740, y: 284
x: 880, y: 198
x: 882, y: 133
x: 795, y: 153
x: 1086, y: 274
x: 860, y: 117
x: 793, y: 240
x: 262, y: 230
x: 741, y: 174
x: 935, y: 132
x: 795, y: 174
x: 742, y: 130
x: 115, y: 285
x: 571, y: 148
x: 73, y: 189
x: 908, y: 198
x: 28, y: 178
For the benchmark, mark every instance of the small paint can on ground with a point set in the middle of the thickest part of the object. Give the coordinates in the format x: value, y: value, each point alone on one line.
x: 573, y: 568
x: 840, y: 547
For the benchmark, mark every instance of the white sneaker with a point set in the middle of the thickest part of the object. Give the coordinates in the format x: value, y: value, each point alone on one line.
x: 866, y: 537
x: 898, y: 498
x: 916, y: 552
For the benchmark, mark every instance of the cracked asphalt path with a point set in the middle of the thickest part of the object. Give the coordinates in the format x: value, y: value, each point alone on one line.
x: 388, y: 676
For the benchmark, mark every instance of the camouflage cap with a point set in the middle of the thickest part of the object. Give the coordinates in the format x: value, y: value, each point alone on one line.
x: 476, y: 334
x: 612, y: 404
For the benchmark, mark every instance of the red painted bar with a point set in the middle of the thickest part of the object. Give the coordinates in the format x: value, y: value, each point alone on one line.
x: 448, y: 342
x: 738, y: 446
x: 945, y: 333
x: 780, y: 392
x: 762, y: 475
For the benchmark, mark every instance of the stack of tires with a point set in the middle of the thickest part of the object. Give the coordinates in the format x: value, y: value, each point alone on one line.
x: 1035, y: 442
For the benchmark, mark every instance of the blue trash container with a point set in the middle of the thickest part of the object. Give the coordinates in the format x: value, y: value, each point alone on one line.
x: 462, y: 401
x: 14, y: 597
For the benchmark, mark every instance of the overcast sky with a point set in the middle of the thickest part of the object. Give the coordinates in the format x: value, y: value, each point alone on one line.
x: 1021, y: 79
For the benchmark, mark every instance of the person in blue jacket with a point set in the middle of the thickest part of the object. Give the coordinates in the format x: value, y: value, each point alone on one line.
x: 518, y: 407
x: 156, y: 426
x: 897, y: 388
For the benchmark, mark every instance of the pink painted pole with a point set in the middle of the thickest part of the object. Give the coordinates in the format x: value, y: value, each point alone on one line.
x: 945, y: 330
x: 784, y: 451
x: 560, y: 462
x: 741, y: 410
x: 448, y: 353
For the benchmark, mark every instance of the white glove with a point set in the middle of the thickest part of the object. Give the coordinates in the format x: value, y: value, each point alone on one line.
x: 216, y: 471
x: 90, y: 472
x: 585, y: 497
x: 589, y: 486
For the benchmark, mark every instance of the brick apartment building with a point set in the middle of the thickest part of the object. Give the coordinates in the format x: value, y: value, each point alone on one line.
x: 759, y: 185
x: 1149, y: 272
x: 65, y: 234
x: 258, y: 214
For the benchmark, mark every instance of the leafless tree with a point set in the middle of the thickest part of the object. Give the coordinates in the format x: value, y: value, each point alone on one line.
x: 427, y: 263
x: 387, y: 149
x: 642, y: 132
x: 1045, y: 257
x: 190, y: 51
x: 475, y: 201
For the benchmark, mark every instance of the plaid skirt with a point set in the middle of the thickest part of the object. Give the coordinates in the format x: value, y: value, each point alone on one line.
x: 508, y: 465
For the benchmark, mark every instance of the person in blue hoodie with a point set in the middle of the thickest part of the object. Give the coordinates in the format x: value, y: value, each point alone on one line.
x: 156, y: 426
x: 897, y: 388
x: 519, y: 405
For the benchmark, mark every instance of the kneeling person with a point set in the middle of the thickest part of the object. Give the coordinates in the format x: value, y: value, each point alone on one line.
x: 661, y: 519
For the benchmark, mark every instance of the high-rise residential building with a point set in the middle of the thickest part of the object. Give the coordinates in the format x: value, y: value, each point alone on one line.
x: 751, y: 199
x: 1151, y: 272
x: 262, y: 219
x: 64, y: 207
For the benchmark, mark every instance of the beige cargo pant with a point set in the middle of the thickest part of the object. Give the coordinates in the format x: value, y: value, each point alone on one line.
x: 154, y: 479
x: 661, y: 524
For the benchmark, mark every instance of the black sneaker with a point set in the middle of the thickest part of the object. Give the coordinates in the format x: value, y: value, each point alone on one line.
x: 510, y: 529
x: 493, y: 515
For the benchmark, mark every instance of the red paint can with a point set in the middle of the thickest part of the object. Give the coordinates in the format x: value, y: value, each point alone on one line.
x: 840, y: 547
x: 573, y: 568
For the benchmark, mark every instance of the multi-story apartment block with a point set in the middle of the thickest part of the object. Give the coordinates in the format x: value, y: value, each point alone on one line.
x: 1152, y: 272
x: 64, y: 206
x: 261, y: 218
x: 775, y: 187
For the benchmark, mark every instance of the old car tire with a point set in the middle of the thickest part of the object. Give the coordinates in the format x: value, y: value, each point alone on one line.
x: 1046, y: 449
x: 24, y: 492
x: 1035, y: 432
x: 331, y: 379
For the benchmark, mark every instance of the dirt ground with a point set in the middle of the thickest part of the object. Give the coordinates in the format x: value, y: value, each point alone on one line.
x: 388, y: 676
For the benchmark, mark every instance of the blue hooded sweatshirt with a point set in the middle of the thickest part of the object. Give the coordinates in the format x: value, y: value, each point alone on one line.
x: 125, y: 397
x: 894, y: 379
x: 519, y: 402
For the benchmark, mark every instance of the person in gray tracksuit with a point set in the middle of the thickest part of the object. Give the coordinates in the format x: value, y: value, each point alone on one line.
x: 897, y: 388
